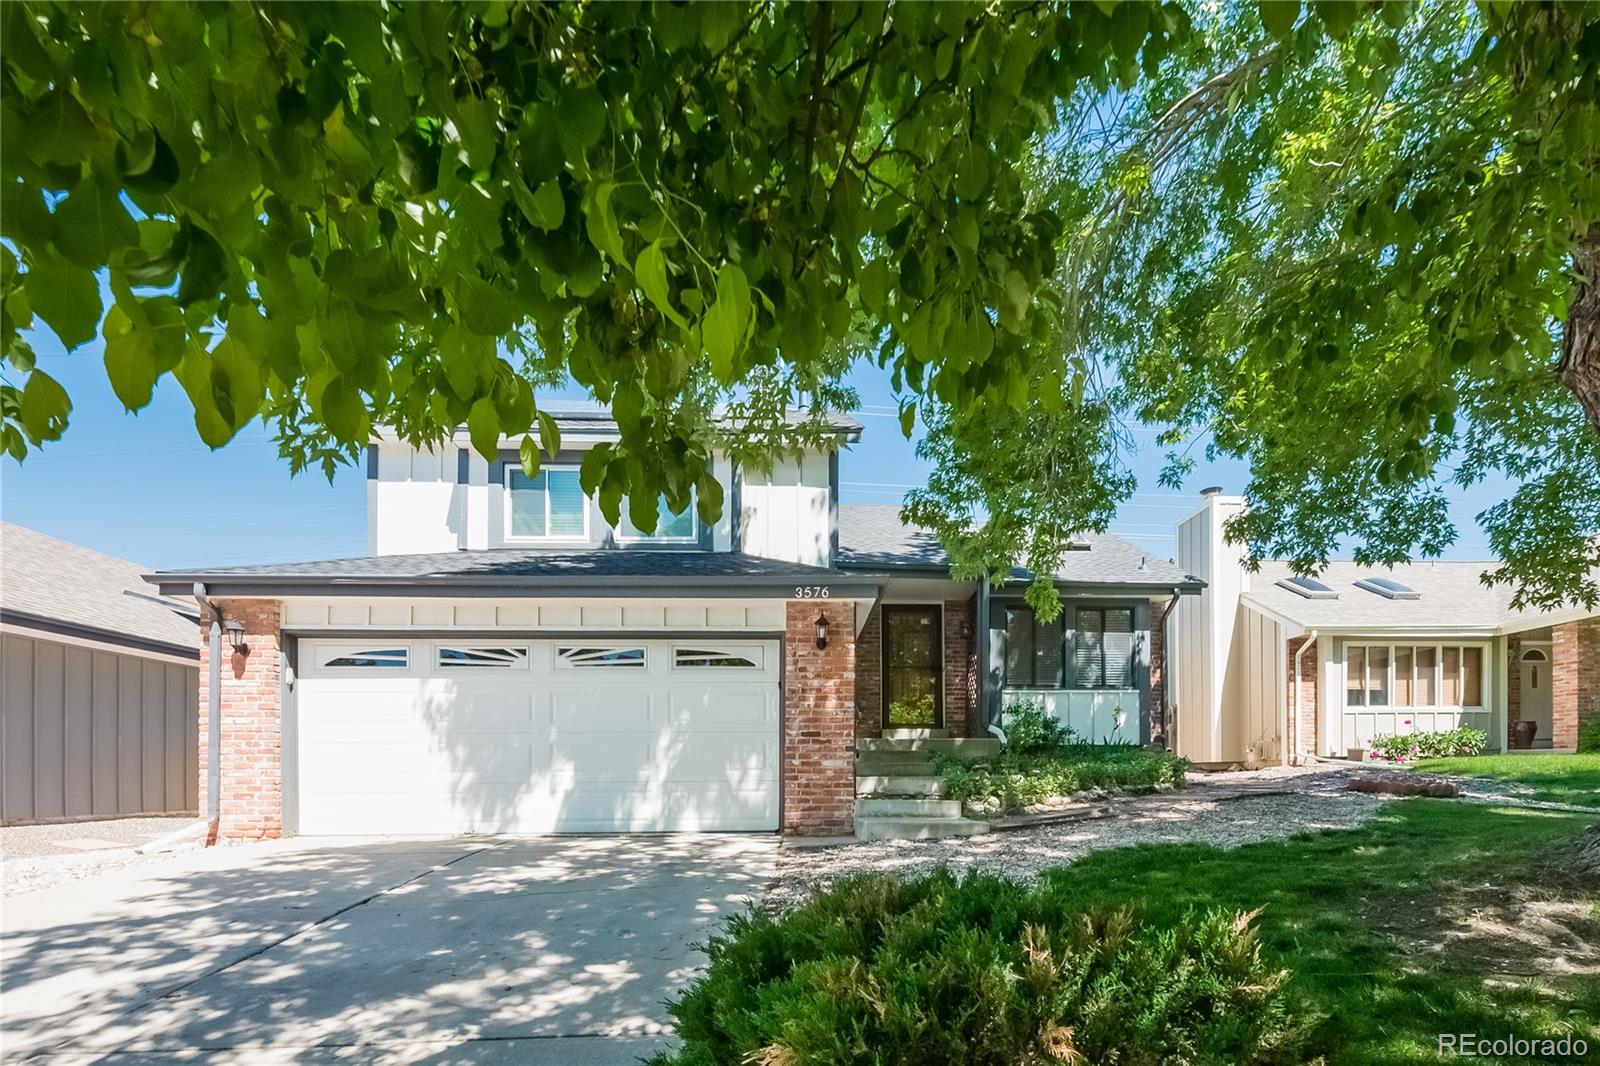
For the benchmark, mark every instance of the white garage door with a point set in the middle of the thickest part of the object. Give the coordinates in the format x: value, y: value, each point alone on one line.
x: 437, y: 737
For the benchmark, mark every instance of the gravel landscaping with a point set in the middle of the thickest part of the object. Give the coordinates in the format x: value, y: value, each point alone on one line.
x: 34, y: 857
x: 1225, y: 810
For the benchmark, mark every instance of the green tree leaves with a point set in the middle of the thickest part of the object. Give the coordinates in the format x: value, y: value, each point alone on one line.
x: 409, y: 215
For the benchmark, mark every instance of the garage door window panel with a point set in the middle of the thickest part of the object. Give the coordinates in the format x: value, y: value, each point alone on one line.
x: 362, y: 657
x: 592, y: 657
x: 697, y: 657
x: 481, y: 657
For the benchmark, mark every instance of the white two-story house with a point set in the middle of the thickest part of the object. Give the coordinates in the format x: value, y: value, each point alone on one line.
x: 504, y: 660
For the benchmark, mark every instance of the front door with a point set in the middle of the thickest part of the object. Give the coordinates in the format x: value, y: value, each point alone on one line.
x: 1536, y: 693
x: 913, y: 667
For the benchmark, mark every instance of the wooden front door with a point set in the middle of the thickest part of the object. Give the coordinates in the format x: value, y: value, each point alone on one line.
x: 913, y: 667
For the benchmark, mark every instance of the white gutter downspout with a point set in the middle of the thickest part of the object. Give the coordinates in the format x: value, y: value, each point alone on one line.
x: 1294, y: 720
x: 213, y: 715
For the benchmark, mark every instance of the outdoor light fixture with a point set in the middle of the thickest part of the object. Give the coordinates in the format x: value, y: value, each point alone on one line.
x: 822, y: 630
x: 235, y: 633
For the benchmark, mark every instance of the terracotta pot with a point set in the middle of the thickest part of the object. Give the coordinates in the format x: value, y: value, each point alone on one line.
x: 1522, y: 734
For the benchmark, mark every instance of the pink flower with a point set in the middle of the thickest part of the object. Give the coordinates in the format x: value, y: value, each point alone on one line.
x: 1408, y: 721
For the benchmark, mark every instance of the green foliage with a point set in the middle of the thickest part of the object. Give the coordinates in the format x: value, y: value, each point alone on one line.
x: 1589, y: 732
x: 1030, y: 728
x: 980, y: 971
x: 413, y: 213
x: 1348, y: 247
x: 1016, y: 779
x: 1461, y: 741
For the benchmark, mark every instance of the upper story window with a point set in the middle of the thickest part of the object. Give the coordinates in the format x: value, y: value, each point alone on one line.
x: 669, y: 527
x: 548, y: 507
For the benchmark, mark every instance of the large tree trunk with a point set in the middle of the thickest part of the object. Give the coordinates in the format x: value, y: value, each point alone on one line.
x: 1580, y: 346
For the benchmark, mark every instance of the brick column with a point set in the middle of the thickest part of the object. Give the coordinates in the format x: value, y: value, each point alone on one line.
x: 869, y: 676
x: 1574, y: 679
x: 251, y: 802
x: 961, y: 667
x: 1305, y: 726
x: 1155, y: 696
x: 819, y: 720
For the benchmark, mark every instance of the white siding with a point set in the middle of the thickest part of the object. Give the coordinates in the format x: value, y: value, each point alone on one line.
x: 787, y: 513
x: 1201, y: 634
x: 415, y: 506
x: 661, y: 615
x: 413, y: 501
x: 1255, y: 688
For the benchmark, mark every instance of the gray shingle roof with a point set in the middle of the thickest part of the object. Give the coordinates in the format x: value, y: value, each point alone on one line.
x: 872, y: 535
x: 1452, y: 596
x: 617, y: 571
x: 56, y: 581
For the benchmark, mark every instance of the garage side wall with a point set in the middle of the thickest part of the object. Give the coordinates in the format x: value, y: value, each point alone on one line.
x: 87, y: 733
x: 251, y: 804
x: 819, y: 712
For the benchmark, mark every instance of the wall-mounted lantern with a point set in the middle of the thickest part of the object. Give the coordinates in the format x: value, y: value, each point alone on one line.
x: 822, y: 630
x: 234, y: 630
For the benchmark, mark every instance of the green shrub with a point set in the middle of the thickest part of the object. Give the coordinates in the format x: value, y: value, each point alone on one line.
x: 1015, y: 779
x: 1589, y: 731
x: 982, y: 971
x: 1400, y: 749
x: 1031, y: 728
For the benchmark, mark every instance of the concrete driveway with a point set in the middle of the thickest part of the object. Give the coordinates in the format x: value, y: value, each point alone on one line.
x: 556, y: 949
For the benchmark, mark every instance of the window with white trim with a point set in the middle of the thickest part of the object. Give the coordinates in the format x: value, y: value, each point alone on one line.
x: 1414, y: 675
x: 593, y: 656
x: 694, y: 658
x: 347, y: 658
x: 670, y: 527
x: 551, y: 506
x: 480, y: 657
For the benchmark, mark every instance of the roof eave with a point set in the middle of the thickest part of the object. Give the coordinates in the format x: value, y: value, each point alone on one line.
x: 719, y: 586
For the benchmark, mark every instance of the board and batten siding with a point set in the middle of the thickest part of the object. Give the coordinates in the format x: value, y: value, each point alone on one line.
x: 87, y: 733
x: 1255, y: 688
x: 1199, y: 632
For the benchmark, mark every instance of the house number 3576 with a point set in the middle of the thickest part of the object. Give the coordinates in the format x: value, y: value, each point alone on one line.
x: 812, y: 592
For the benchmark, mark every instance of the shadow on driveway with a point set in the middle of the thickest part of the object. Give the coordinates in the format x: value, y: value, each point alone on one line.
x: 558, y: 949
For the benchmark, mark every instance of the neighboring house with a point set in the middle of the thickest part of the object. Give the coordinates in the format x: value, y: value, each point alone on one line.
x: 504, y: 660
x: 97, y: 684
x: 1360, y: 651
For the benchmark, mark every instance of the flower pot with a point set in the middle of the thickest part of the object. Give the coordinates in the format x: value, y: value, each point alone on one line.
x: 1522, y: 734
x: 1356, y: 754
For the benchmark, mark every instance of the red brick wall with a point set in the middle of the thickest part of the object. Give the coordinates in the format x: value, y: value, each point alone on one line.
x: 1305, y: 725
x: 961, y: 668
x: 1574, y: 679
x: 869, y: 676
x: 819, y: 721
x: 251, y: 802
x: 1155, y: 697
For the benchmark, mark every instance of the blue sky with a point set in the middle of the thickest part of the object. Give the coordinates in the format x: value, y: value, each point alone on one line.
x: 144, y: 487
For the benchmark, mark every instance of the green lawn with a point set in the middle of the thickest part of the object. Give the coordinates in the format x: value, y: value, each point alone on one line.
x: 1370, y: 921
x: 1551, y: 778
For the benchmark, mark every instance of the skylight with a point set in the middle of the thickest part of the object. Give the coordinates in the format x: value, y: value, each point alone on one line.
x: 1309, y: 587
x: 1388, y: 587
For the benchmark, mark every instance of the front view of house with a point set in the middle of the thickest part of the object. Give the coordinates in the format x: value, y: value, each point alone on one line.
x: 503, y: 660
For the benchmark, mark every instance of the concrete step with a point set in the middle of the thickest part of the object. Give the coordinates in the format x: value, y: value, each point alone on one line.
x: 917, y: 828
x: 914, y: 734
x: 878, y: 785
x: 878, y: 763
x: 908, y: 808
x: 966, y: 746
